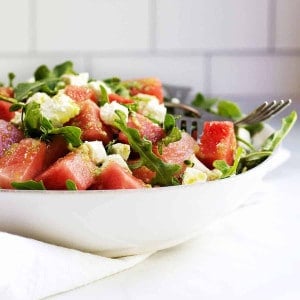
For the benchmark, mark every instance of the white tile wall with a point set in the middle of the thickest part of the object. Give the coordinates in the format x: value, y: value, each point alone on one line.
x: 14, y: 24
x: 214, y: 24
x: 287, y: 23
x: 244, y: 49
x: 256, y: 75
x: 91, y: 25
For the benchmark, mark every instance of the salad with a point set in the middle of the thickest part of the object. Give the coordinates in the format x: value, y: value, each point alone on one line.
x: 63, y: 130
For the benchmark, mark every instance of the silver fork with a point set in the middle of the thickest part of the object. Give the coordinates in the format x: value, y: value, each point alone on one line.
x: 262, y: 113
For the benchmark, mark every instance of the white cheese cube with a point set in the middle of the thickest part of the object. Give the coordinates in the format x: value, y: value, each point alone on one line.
x: 96, y: 151
x: 192, y: 175
x: 95, y: 85
x: 59, y: 109
x: 108, y: 112
x: 150, y: 107
x: 80, y: 80
x: 121, y: 149
x: 117, y: 158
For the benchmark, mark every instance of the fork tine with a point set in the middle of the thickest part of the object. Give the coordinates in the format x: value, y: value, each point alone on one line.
x: 259, y: 114
x: 264, y: 112
x: 276, y: 109
x: 191, y: 125
x: 249, y: 117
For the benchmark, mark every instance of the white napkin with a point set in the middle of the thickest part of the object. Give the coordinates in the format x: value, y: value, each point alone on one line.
x: 30, y: 269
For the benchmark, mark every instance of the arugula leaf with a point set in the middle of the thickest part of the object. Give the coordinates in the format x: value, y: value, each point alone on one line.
x: 70, y: 185
x: 254, y: 128
x: 104, y: 96
x: 117, y: 86
x: 164, y: 171
x: 29, y: 185
x: 228, y: 109
x: 25, y: 89
x: 227, y: 170
x: 275, y: 139
x: 46, y: 81
x: 255, y: 158
x: 42, y: 72
x: 64, y: 68
x: 71, y: 134
x: 224, y: 108
x: 13, y: 101
x: 36, y: 125
x: 204, y: 103
x: 11, y: 77
x: 173, y: 133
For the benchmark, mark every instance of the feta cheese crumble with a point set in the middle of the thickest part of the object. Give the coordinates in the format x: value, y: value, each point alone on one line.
x: 95, y: 150
x: 95, y: 85
x: 150, y: 107
x: 121, y: 149
x: 58, y: 109
x: 192, y: 175
x: 108, y: 112
x: 80, y: 80
x: 117, y: 158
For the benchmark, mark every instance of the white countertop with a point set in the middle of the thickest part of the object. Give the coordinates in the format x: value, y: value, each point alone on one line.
x: 253, y: 253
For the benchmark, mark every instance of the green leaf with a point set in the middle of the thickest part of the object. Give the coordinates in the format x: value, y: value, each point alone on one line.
x: 173, y: 133
x: 204, y: 103
x: 36, y: 125
x: 64, y: 68
x: 42, y: 72
x: 228, y: 109
x: 276, y: 138
x: 254, y: 128
x: 104, y: 96
x: 227, y: 170
x: 26, y: 89
x: 28, y: 185
x: 33, y: 119
x: 70, y: 185
x: 164, y: 171
x: 11, y: 77
x: 71, y: 134
x: 117, y: 86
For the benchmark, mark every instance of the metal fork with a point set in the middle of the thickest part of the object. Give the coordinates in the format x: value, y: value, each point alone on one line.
x: 194, y: 124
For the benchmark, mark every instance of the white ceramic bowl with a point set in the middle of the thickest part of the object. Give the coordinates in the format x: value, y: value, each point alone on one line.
x: 125, y: 222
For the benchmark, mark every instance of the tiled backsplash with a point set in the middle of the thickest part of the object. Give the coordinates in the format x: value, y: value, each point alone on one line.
x: 238, y: 49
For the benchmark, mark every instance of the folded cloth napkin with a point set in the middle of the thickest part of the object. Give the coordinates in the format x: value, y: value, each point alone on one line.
x: 30, y: 269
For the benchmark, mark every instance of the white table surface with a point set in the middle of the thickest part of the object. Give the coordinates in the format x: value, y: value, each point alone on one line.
x: 254, y: 253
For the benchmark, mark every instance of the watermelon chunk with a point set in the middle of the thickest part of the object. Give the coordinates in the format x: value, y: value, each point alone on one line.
x: 150, y: 86
x: 175, y: 153
x: 217, y: 142
x: 146, y: 128
x: 56, y: 149
x: 5, y: 114
x: 90, y: 123
x: 81, y: 93
x: 9, y: 134
x: 115, y: 97
x: 22, y: 162
x: 113, y: 176
x: 74, y: 166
